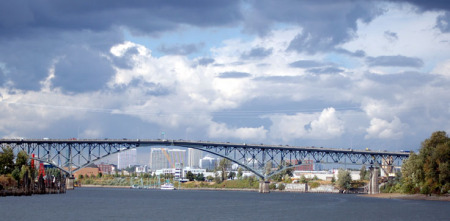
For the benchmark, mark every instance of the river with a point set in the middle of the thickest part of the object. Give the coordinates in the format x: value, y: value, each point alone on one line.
x: 140, y: 204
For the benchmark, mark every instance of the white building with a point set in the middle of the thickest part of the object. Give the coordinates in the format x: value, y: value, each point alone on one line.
x: 176, y: 156
x: 142, y: 169
x: 194, y: 157
x: 126, y: 158
x: 157, y: 159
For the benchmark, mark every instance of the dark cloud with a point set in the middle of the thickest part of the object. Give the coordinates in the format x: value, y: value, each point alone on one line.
x: 394, y: 61
x: 205, y: 61
x: 325, y: 23
x: 139, y: 16
x: 257, y: 53
x: 443, y: 22
x: 306, y: 64
x: 82, y: 70
x: 28, y: 60
x: 35, y: 33
x: 326, y: 70
x: 357, y: 53
x: 150, y: 88
x: 180, y: 49
x: 125, y: 61
x: 234, y: 74
x: 405, y: 79
x: 391, y: 36
x: 428, y: 4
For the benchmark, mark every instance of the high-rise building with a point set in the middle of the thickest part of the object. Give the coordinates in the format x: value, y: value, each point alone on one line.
x: 176, y: 156
x: 194, y: 157
x: 207, y: 163
x: 161, y: 158
x: 126, y: 158
x: 158, y: 160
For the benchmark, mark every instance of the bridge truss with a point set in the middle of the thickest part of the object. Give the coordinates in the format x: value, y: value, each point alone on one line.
x: 71, y: 155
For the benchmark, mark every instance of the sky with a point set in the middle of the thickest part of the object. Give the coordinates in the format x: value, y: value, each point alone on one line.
x: 338, y: 74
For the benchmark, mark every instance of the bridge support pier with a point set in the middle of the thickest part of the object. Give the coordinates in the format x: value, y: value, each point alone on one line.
x: 373, y: 183
x: 69, y: 183
x: 264, y: 186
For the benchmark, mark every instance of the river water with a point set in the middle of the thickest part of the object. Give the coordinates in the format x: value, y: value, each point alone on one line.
x: 140, y: 204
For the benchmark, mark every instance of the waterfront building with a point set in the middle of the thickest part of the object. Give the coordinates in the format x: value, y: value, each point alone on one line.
x: 126, y: 158
x: 306, y: 165
x: 141, y: 169
x: 107, y: 168
x: 194, y: 157
x: 90, y: 170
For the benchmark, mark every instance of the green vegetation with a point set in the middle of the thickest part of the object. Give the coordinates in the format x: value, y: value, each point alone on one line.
x: 344, y: 179
x: 313, y: 184
x: 10, y: 169
x: 429, y: 171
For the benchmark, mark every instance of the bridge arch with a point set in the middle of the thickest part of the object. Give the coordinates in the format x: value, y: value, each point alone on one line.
x: 80, y: 153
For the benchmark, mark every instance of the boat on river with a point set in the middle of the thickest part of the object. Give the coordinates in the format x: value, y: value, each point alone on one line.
x: 167, y: 186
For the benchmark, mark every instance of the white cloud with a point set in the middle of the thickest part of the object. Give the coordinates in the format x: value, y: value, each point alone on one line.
x: 443, y: 69
x: 222, y: 131
x: 383, y: 129
x: 324, y: 125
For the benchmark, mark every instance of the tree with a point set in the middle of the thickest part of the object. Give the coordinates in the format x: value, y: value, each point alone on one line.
x: 6, y: 160
x: 200, y: 177
x: 16, y: 175
x: 231, y: 175
x: 239, y: 173
x: 429, y: 171
x: 99, y: 175
x: 21, y: 159
x: 344, y: 179
x: 362, y: 172
x: 224, y: 164
x: 303, y: 179
x: 190, y: 176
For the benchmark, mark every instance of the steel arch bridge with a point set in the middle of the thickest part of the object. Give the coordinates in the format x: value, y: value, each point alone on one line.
x: 71, y: 155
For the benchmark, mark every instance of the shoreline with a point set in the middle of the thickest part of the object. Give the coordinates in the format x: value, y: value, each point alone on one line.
x: 408, y: 196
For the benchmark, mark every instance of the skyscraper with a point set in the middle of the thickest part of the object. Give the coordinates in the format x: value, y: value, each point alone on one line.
x: 194, y: 157
x: 177, y: 156
x: 126, y: 158
x: 157, y: 159
x: 161, y: 158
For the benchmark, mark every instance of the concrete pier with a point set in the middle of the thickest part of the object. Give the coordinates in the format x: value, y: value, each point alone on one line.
x: 69, y: 183
x: 373, y: 183
x: 264, y: 187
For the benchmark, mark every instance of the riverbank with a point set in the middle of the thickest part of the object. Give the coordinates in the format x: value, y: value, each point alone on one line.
x: 409, y: 196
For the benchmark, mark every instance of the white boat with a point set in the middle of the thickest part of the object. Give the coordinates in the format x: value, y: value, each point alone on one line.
x: 167, y: 186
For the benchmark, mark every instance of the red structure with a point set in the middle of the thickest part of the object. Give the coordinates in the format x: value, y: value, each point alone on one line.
x: 41, y: 169
x: 307, y: 165
x: 32, y: 162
